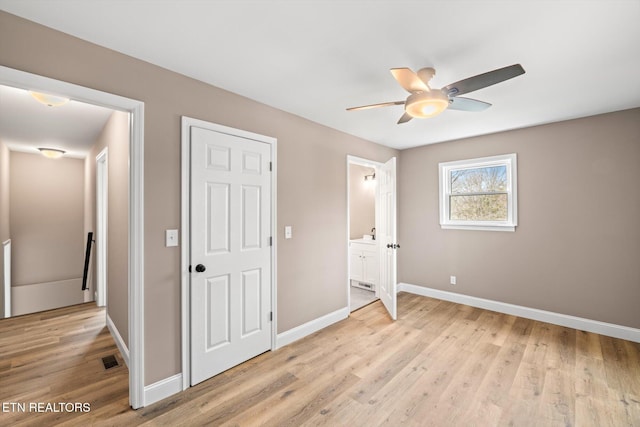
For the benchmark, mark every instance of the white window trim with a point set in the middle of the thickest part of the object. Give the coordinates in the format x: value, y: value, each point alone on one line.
x: 445, y: 168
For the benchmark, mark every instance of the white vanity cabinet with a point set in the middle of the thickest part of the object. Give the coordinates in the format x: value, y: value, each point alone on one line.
x: 363, y: 256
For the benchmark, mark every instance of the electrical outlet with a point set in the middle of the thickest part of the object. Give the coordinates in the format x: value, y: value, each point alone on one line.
x: 453, y: 280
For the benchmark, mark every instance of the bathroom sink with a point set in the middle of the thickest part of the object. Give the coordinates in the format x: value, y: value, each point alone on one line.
x: 367, y: 241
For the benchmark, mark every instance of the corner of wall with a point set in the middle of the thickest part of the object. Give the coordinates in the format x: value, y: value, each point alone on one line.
x: 120, y: 343
x: 310, y: 327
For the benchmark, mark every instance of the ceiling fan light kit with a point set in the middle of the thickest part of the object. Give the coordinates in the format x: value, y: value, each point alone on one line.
x: 424, y: 102
x: 422, y: 105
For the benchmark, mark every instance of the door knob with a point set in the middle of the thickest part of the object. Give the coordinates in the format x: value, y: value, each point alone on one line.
x: 200, y: 268
x: 389, y: 245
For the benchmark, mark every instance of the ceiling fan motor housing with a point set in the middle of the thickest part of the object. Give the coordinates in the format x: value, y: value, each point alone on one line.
x: 426, y: 74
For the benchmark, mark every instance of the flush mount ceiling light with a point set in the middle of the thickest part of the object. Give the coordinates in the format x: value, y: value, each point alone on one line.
x: 49, y: 100
x: 51, y: 153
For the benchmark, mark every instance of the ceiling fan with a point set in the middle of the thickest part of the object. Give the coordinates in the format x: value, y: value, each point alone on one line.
x: 427, y: 102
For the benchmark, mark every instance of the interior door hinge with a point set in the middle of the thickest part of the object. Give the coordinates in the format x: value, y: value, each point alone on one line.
x: 270, y: 241
x: 271, y: 316
x: 270, y: 166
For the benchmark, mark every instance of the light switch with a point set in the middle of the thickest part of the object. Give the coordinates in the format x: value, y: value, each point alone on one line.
x: 287, y: 232
x: 171, y: 238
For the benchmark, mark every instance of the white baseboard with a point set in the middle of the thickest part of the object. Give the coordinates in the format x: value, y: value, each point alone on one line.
x: 162, y: 389
x: 595, y: 326
x: 122, y: 346
x: 310, y: 327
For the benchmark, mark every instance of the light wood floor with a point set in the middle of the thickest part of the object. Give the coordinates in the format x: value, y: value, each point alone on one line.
x: 56, y: 356
x: 440, y: 364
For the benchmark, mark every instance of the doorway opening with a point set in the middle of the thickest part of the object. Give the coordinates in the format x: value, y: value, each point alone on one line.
x: 373, y: 261
x: 132, y: 347
x: 53, y: 193
x: 48, y: 211
x: 363, y: 205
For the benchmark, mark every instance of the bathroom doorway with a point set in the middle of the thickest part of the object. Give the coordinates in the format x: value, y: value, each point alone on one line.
x: 363, y: 250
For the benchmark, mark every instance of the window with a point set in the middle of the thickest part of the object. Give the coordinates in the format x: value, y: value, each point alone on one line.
x: 479, y: 194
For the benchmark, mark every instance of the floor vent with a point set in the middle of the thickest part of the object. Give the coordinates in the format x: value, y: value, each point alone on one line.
x: 109, y: 362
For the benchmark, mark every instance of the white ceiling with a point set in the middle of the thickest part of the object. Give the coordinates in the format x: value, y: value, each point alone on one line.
x: 26, y: 124
x: 315, y: 58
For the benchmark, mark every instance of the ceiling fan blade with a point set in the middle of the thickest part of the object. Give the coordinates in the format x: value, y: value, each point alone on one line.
x: 383, y: 104
x: 467, y: 104
x: 409, y: 80
x: 405, y: 118
x: 483, y: 80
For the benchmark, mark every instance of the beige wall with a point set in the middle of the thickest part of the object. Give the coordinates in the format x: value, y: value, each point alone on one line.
x: 312, y: 267
x: 577, y: 245
x: 362, y: 202
x: 46, y: 217
x: 115, y: 137
x: 4, y: 212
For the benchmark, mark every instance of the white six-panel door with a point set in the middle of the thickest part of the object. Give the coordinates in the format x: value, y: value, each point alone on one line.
x: 387, y: 235
x: 230, y: 231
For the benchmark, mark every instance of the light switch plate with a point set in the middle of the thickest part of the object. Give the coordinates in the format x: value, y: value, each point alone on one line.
x: 171, y: 238
x: 287, y: 232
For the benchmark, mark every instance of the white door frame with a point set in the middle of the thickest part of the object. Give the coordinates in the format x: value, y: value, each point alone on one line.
x: 102, y: 203
x: 354, y: 160
x: 24, y: 80
x: 6, y: 280
x: 185, y: 225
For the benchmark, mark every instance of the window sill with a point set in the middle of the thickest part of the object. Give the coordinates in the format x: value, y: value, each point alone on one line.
x: 478, y: 227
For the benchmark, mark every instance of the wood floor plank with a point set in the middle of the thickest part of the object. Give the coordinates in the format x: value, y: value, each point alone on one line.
x: 313, y: 399
x: 389, y: 368
x: 558, y: 398
x: 439, y: 364
x: 422, y: 398
x: 525, y: 394
x: 219, y: 413
x: 462, y: 389
x: 494, y: 390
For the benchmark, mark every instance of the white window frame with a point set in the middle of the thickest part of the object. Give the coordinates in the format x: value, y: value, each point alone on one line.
x: 445, y: 169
